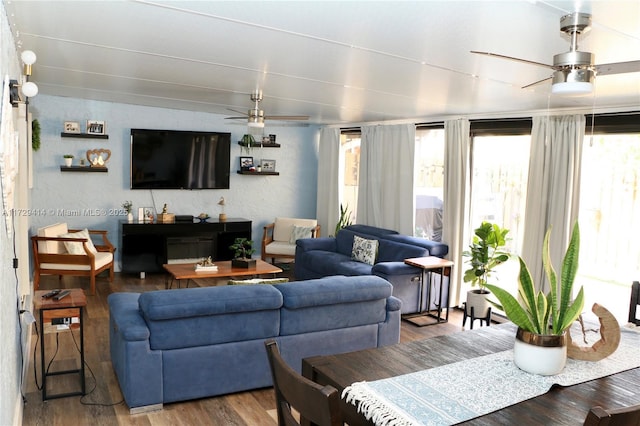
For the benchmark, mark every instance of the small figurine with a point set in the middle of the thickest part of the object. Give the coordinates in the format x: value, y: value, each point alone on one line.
x: 164, y: 209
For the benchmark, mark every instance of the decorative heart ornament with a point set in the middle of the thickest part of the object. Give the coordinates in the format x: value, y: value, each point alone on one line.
x: 98, y: 157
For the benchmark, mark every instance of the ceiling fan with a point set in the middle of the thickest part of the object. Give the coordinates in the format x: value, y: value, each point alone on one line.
x: 574, y: 71
x: 255, y: 116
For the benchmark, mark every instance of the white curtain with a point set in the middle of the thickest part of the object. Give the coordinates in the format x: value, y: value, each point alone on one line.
x: 456, y: 205
x: 385, y: 191
x: 553, y: 190
x: 328, y: 194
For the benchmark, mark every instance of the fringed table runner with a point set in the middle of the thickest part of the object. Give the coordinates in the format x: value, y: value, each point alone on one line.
x: 467, y: 389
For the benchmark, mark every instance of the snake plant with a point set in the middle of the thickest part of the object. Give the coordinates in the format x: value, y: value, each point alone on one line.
x: 554, y: 312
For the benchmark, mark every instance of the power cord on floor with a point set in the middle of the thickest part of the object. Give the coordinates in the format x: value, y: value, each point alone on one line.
x: 95, y: 381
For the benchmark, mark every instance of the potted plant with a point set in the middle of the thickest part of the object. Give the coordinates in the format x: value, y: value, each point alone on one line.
x: 127, y: 206
x: 68, y: 159
x: 247, y: 143
x: 344, y: 219
x: 485, y: 254
x: 35, y: 135
x: 243, y: 249
x: 543, y: 319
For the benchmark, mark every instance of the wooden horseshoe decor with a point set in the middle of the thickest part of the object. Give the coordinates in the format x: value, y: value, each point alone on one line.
x: 609, y: 338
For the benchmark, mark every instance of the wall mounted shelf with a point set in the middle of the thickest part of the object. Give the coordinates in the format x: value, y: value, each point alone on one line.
x: 86, y: 169
x: 247, y: 172
x: 261, y: 145
x: 83, y: 135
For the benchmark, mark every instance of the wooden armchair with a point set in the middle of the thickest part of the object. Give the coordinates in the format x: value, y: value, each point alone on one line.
x: 61, y: 251
x: 279, y: 238
x: 626, y: 416
x: 634, y: 305
x: 315, y: 403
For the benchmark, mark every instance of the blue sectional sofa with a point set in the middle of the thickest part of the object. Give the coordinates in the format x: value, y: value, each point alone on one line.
x: 175, y: 345
x: 326, y: 256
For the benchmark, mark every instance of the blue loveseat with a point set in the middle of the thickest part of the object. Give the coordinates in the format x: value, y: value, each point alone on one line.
x: 175, y: 345
x: 326, y: 256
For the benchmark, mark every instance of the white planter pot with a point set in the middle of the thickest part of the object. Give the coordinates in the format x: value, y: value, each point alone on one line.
x: 545, y: 355
x: 130, y: 217
x: 68, y: 162
x: 478, y: 300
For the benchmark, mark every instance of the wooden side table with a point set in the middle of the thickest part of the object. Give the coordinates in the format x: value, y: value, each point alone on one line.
x: 428, y: 265
x: 58, y: 316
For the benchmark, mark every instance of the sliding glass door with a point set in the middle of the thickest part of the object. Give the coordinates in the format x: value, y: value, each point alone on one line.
x: 609, y: 220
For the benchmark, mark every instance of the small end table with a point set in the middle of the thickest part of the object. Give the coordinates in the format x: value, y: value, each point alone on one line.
x: 428, y: 265
x: 58, y: 316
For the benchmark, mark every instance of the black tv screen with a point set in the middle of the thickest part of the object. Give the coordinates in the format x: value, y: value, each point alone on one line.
x: 171, y: 159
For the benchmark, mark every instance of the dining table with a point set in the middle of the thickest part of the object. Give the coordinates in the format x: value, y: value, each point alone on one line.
x: 460, y: 365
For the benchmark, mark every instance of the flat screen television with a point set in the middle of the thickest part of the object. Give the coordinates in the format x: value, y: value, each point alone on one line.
x: 172, y: 159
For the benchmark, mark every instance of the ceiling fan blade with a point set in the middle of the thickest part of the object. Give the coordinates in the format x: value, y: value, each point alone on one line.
x: 236, y: 118
x: 511, y: 58
x: 239, y: 112
x: 537, y: 82
x: 618, y: 68
x: 286, y: 117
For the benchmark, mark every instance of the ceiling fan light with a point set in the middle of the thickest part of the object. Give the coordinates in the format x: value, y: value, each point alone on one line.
x: 256, y: 118
x: 575, y: 82
x: 255, y: 124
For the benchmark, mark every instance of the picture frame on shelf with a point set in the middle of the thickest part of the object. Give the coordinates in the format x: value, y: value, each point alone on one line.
x: 246, y: 163
x: 268, y: 165
x: 71, y: 127
x: 96, y: 127
x: 148, y: 214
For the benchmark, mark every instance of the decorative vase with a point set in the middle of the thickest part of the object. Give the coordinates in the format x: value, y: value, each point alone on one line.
x: 545, y: 355
x: 130, y: 217
x: 243, y: 263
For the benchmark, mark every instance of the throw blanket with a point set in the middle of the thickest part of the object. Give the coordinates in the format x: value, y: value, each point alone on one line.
x: 467, y: 389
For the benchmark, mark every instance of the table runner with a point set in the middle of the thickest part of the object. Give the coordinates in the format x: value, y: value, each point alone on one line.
x: 471, y: 388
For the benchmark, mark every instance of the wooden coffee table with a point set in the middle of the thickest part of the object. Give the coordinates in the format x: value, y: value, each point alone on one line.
x: 187, y: 271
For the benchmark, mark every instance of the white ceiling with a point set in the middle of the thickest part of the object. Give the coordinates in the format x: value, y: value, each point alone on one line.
x: 338, y: 62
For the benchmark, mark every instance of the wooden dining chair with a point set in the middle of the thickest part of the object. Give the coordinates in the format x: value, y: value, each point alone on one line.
x: 627, y: 416
x: 634, y: 304
x: 316, y: 404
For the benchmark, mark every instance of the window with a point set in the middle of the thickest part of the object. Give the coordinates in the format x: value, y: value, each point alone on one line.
x: 608, y: 217
x: 429, y: 183
x: 429, y: 179
x: 499, y: 171
x: 350, y: 170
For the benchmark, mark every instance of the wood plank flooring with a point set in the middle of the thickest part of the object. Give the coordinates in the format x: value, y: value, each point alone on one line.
x: 103, y: 404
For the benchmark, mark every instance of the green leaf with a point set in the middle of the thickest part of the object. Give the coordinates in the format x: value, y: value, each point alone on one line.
x: 572, y: 313
x: 512, y: 308
x: 568, y: 275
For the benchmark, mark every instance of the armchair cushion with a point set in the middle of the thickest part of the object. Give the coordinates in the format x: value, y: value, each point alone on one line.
x: 77, y: 247
x: 52, y: 247
x: 284, y: 227
x: 299, y: 232
x: 102, y: 259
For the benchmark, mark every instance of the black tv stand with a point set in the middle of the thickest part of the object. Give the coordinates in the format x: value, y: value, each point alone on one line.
x: 145, y: 247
